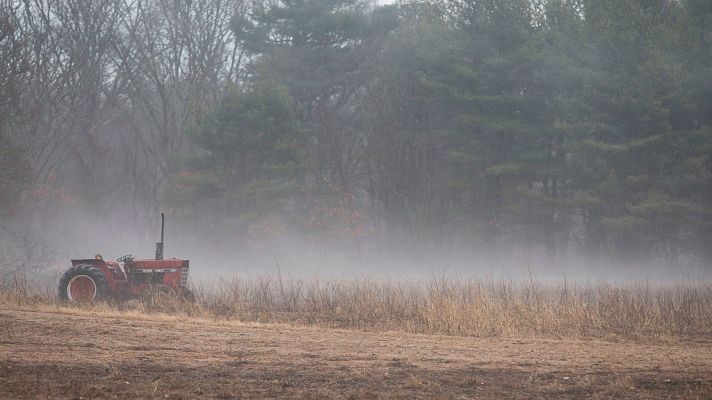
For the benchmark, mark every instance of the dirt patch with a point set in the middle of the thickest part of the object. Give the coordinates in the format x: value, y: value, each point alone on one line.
x: 49, y: 355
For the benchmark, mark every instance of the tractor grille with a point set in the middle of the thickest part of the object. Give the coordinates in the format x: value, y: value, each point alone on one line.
x: 184, y: 276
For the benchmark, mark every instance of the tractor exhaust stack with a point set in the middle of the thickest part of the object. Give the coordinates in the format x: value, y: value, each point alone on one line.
x: 159, y: 245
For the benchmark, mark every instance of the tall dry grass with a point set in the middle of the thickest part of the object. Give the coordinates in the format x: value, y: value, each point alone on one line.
x: 477, y: 307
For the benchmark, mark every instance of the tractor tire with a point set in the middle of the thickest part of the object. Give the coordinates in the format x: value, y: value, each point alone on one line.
x: 156, y: 293
x: 165, y: 298
x: 182, y: 294
x: 186, y: 295
x: 82, y: 283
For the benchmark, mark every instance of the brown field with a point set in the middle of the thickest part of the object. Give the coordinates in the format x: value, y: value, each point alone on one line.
x: 271, y: 338
x: 55, y: 352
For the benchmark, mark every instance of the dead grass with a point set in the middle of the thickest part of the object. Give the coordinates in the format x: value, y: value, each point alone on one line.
x: 441, y: 306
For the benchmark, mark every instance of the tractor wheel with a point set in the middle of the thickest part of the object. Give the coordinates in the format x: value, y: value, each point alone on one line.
x: 165, y: 298
x: 156, y: 293
x: 186, y: 295
x: 181, y: 294
x: 82, y: 283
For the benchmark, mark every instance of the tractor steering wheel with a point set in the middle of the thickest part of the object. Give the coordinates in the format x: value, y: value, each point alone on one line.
x: 125, y: 258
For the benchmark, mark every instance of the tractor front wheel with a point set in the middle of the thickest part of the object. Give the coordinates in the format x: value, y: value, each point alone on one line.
x: 166, y: 297
x: 83, y: 283
x: 181, y: 294
x: 186, y: 295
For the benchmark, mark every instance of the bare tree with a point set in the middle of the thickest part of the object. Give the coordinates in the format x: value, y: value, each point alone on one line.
x: 106, y: 91
x: 13, y: 165
x: 176, y: 58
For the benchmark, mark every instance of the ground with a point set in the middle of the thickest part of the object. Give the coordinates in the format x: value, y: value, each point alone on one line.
x: 78, y: 354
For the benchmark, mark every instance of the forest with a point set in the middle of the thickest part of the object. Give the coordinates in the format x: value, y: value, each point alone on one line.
x: 555, y: 128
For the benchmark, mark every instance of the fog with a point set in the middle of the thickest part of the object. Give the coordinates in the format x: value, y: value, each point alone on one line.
x: 293, y: 256
x: 549, y: 140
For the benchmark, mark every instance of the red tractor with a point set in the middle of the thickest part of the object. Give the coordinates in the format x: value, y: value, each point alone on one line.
x: 96, y: 279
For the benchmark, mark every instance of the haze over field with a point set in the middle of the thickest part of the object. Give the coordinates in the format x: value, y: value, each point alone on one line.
x: 365, y: 199
x: 554, y: 138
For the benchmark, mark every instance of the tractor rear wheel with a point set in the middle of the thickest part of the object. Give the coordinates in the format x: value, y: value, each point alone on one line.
x: 82, y: 283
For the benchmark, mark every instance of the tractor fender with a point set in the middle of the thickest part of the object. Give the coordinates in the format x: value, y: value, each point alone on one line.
x: 113, y: 273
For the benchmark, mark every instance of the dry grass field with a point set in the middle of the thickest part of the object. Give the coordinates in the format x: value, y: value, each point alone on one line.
x: 269, y: 338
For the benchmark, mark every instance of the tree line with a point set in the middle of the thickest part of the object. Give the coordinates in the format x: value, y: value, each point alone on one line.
x: 560, y: 127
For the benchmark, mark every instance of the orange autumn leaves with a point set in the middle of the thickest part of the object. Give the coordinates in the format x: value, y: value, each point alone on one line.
x: 49, y: 194
x: 341, y: 221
